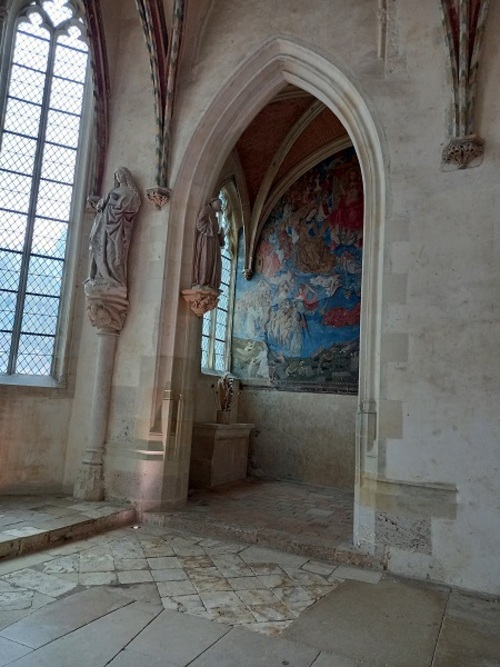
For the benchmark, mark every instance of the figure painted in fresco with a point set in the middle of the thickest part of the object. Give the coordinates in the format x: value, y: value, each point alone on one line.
x: 112, y: 230
x: 207, y: 268
x: 297, y: 320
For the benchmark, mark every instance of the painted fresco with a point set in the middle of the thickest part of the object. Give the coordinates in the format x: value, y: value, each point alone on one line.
x: 296, y: 322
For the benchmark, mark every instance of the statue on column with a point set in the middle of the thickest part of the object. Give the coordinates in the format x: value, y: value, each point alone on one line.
x: 106, y: 286
x: 207, y: 268
x: 112, y: 230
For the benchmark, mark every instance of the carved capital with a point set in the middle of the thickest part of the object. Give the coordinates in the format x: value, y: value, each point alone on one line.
x: 158, y: 196
x: 201, y: 299
x: 107, y: 306
x: 247, y: 273
x: 462, y: 152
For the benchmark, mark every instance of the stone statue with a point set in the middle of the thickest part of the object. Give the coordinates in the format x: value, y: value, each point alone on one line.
x: 207, y: 267
x: 112, y: 230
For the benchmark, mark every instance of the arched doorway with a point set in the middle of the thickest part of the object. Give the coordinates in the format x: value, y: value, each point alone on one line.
x: 277, y: 63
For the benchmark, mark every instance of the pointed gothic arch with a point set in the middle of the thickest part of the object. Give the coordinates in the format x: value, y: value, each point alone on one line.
x: 252, y: 85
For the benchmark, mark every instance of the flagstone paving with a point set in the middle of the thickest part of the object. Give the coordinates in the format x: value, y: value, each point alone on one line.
x: 262, y: 589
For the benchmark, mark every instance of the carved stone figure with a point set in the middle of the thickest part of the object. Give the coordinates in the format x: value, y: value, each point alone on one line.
x: 207, y: 267
x: 112, y: 230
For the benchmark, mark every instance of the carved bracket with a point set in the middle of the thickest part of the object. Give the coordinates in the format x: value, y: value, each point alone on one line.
x: 158, y: 196
x: 463, y: 152
x: 107, y: 306
x: 201, y: 299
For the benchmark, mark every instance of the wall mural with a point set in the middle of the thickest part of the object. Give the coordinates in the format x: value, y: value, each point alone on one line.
x: 296, y: 322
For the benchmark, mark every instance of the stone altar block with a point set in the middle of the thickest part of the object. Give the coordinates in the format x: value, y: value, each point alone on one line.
x: 219, y: 454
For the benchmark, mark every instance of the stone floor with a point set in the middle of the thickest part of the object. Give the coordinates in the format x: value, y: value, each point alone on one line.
x: 308, y: 520
x: 29, y: 523
x: 153, y: 596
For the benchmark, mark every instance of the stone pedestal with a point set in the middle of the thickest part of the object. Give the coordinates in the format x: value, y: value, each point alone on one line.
x: 219, y: 454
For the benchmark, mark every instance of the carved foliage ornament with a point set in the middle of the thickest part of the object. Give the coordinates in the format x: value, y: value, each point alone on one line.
x: 201, y: 300
x: 463, y: 22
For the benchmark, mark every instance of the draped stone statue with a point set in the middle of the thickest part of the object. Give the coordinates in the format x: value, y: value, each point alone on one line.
x: 106, y: 287
x: 207, y: 266
x: 112, y: 230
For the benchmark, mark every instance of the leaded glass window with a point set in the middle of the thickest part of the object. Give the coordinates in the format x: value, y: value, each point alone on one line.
x: 40, y: 137
x: 215, y: 335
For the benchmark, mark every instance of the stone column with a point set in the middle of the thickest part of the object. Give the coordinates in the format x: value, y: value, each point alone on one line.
x: 107, y: 305
x: 107, y: 309
x: 90, y: 482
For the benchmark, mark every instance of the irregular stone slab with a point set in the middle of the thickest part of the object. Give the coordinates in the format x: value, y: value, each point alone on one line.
x: 128, y: 658
x: 63, y: 617
x: 470, y: 634
x: 248, y: 649
x: 93, y: 645
x: 177, y: 637
x: 390, y: 624
x: 10, y: 651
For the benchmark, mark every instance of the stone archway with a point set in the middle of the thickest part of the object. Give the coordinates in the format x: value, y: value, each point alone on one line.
x: 251, y: 86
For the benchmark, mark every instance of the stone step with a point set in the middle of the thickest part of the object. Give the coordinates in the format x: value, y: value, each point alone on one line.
x: 317, y: 548
x: 32, y: 524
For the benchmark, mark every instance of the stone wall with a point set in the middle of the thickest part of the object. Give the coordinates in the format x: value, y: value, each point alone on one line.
x: 303, y: 437
x: 429, y: 380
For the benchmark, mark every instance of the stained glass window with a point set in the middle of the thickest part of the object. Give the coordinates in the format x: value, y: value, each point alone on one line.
x: 39, y: 142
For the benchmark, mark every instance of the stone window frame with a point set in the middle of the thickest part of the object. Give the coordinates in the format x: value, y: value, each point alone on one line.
x: 16, y: 12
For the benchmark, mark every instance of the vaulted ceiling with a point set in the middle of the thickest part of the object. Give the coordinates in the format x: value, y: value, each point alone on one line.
x: 287, y: 137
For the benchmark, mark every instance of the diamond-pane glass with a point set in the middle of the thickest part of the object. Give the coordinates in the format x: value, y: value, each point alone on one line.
x: 10, y: 269
x: 44, y: 276
x: 5, y: 343
x: 12, y: 231
x: 14, y: 192
x: 25, y: 84
x: 58, y: 163
x: 18, y: 154
x: 35, y: 354
x: 45, y: 91
x: 49, y: 238
x: 223, y: 301
x: 204, y: 359
x: 69, y: 63
x: 73, y: 38
x: 54, y: 200
x: 63, y: 128
x: 7, y: 310
x: 22, y: 117
x: 205, y: 330
x: 66, y: 95
x: 40, y: 314
x: 32, y: 50
x: 57, y: 11
x: 220, y: 332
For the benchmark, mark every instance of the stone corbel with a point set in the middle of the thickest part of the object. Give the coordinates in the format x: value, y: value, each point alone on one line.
x: 106, y: 308
x: 158, y: 196
x: 463, y: 22
x: 201, y: 299
x: 464, y: 152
